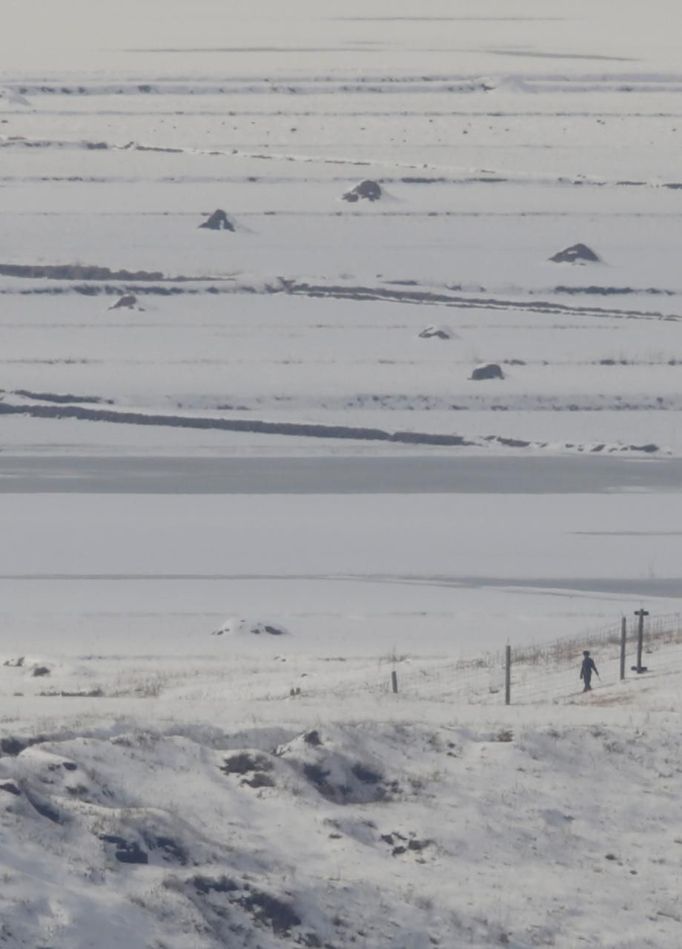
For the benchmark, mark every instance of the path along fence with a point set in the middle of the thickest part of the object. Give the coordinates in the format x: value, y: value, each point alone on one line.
x: 535, y: 673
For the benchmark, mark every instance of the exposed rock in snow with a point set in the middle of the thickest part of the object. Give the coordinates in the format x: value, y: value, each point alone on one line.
x: 436, y: 332
x: 75, y: 272
x: 252, y: 627
x: 173, y: 837
x: 577, y: 253
x: 489, y: 370
x: 218, y: 221
x: 339, y: 767
x: 15, y: 663
x: 649, y: 449
x: 367, y: 190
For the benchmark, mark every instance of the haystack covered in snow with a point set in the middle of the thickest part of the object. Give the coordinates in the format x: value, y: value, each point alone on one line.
x: 488, y: 370
x: 367, y: 191
x: 577, y: 253
x: 218, y: 221
x: 127, y: 302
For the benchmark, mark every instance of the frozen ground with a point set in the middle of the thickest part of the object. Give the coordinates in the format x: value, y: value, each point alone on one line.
x: 264, y: 437
x: 500, y: 134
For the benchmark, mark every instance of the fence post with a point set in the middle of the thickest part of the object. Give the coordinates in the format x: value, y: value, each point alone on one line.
x: 640, y: 638
x: 394, y: 681
x: 507, y: 675
x: 623, y: 640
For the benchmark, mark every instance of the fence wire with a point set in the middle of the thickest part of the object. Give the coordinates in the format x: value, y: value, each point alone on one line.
x: 546, y: 672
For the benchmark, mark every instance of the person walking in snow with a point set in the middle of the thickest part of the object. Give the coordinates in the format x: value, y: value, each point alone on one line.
x: 586, y: 670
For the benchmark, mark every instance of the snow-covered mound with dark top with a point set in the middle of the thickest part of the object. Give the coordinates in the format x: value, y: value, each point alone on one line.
x: 577, y: 253
x: 240, y: 627
x: 127, y: 302
x: 436, y: 332
x: 367, y: 191
x: 489, y: 370
x: 219, y: 221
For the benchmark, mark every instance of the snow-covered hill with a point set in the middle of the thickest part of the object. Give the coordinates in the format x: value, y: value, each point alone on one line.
x: 195, y: 807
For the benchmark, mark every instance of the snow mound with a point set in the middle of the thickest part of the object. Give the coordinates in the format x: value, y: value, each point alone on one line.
x: 366, y: 191
x: 186, y: 838
x: 219, y: 221
x: 339, y: 766
x: 238, y: 626
x: 489, y: 370
x: 437, y: 332
x: 126, y: 302
x: 13, y: 97
x: 576, y: 254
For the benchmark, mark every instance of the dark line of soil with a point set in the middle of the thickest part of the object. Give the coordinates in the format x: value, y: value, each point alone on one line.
x: 233, y: 425
x: 425, y: 296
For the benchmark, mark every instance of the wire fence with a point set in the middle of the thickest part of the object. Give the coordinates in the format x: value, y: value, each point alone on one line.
x: 539, y: 672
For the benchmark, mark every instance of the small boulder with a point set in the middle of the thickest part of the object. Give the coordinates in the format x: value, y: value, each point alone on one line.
x: 489, y: 370
x: 577, y: 253
x: 218, y: 221
x: 366, y: 190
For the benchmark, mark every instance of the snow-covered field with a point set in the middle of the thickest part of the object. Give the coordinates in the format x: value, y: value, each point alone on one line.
x: 500, y: 134
x: 275, y: 432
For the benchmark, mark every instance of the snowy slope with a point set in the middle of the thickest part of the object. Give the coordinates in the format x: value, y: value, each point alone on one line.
x: 202, y: 818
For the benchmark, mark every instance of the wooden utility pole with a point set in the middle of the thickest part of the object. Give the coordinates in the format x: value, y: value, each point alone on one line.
x: 394, y: 681
x: 507, y: 676
x: 640, y: 638
x: 623, y: 640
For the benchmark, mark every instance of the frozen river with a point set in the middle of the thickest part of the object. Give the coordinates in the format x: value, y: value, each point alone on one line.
x: 353, y: 555
x: 351, y: 475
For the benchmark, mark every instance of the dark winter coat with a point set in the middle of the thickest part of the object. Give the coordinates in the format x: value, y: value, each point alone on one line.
x: 587, y: 668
